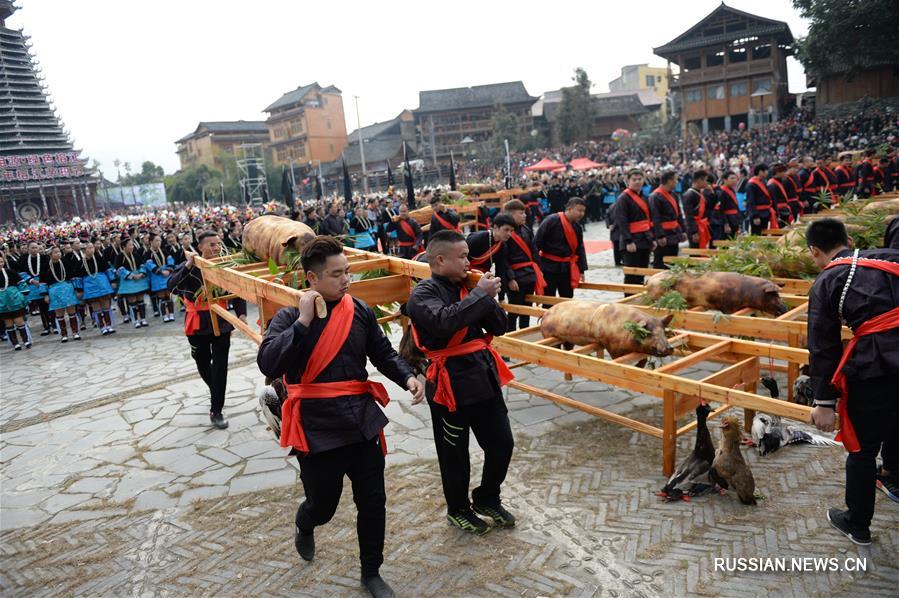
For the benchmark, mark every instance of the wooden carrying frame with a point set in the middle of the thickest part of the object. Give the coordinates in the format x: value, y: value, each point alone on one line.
x: 732, y: 386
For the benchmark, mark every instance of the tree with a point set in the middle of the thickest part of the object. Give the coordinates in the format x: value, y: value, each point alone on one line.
x: 575, y: 118
x: 149, y: 173
x: 187, y: 185
x: 846, y: 36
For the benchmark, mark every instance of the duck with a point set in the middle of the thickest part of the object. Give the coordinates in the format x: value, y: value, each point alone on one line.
x: 729, y: 468
x: 770, y: 434
x: 692, y: 476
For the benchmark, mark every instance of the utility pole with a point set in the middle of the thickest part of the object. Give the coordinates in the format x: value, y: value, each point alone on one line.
x: 361, y: 147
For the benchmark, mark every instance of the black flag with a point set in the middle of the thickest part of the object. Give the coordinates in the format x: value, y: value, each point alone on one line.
x: 347, y: 185
x: 246, y: 193
x: 265, y: 194
x: 390, y: 181
x: 407, y: 177
x: 452, y: 173
x: 287, y: 192
x: 318, y: 188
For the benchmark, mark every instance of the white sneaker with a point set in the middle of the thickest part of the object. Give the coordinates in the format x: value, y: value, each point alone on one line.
x: 137, y: 323
x: 143, y: 323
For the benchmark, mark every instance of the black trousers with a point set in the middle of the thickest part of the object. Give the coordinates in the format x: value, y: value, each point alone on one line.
x: 407, y: 253
x: 211, y: 354
x: 43, y: 309
x: 637, y: 259
x: 517, y: 298
x: 756, y: 229
x: 660, y: 252
x: 322, y: 477
x: 489, y: 420
x: 616, y: 252
x: 558, y: 283
x: 874, y: 412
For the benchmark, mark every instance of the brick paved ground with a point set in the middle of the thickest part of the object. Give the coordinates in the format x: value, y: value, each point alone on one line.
x: 113, y: 484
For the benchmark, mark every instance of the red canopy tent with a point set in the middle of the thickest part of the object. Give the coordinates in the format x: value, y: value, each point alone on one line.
x: 544, y: 164
x: 584, y: 164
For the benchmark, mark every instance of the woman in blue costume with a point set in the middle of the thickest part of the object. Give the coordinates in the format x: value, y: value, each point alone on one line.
x: 363, y: 231
x: 12, y: 306
x: 30, y: 268
x: 160, y: 266
x: 133, y: 281
x: 61, y: 293
x: 97, y: 277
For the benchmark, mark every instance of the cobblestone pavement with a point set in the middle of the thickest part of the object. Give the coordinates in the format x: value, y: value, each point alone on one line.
x: 113, y: 483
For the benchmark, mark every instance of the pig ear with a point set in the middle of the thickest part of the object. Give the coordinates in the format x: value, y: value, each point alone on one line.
x: 289, y: 241
x: 667, y: 320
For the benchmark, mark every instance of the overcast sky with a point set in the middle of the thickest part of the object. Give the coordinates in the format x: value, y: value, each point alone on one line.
x: 128, y: 83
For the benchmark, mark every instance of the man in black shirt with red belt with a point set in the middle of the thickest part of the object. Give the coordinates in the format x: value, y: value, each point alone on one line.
x: 453, y: 328
x: 860, y: 289
x: 560, y: 245
x: 667, y: 220
x: 330, y: 417
x: 634, y: 220
x: 209, y: 351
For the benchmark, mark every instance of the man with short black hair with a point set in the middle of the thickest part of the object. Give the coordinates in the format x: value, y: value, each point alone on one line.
x: 634, y: 220
x: 698, y: 203
x: 330, y: 416
x: 560, y: 245
x: 667, y: 220
x: 453, y: 328
x: 759, y: 204
x: 525, y: 275
x: 408, y: 233
x: 209, y: 351
x: 442, y: 218
x: 488, y: 247
x: 726, y: 219
x: 860, y: 289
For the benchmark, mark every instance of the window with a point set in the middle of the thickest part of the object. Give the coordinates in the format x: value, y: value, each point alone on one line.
x: 331, y: 146
x: 740, y: 88
x: 761, y: 86
x: 328, y: 123
x: 659, y: 79
x: 761, y: 52
x: 651, y: 80
x: 282, y: 155
x: 716, y: 59
x: 694, y: 95
x: 296, y: 128
x: 737, y: 55
x: 692, y: 63
x: 716, y: 92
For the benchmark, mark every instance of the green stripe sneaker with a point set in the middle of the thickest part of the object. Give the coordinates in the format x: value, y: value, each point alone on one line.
x: 501, y: 517
x: 467, y: 521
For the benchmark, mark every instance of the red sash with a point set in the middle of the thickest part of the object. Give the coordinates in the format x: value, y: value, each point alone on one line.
x: 882, y: 323
x: 192, y: 311
x: 730, y: 211
x: 778, y: 184
x: 482, y: 259
x: 574, y: 273
x: 640, y: 226
x: 540, y: 285
x: 437, y: 373
x: 669, y: 224
x: 446, y: 223
x: 326, y: 349
x: 849, y: 183
x: 410, y: 232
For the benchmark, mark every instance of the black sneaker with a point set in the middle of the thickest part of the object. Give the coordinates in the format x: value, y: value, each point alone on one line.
x: 218, y: 420
x: 840, y: 521
x: 888, y: 484
x: 304, y: 543
x: 501, y: 517
x: 467, y: 521
x: 377, y: 587
x: 46, y: 332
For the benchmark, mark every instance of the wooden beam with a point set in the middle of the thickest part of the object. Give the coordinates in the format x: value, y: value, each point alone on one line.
x: 236, y: 322
x: 595, y: 411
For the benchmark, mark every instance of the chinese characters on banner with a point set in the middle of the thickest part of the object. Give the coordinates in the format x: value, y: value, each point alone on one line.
x: 33, y: 167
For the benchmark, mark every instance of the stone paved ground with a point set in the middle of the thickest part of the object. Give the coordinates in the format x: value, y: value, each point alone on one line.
x: 113, y: 484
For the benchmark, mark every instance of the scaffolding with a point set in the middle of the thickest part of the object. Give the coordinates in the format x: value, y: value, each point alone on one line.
x: 251, y: 173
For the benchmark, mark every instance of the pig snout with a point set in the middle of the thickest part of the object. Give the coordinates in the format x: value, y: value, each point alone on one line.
x: 657, y: 344
x: 774, y: 304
